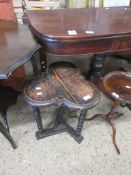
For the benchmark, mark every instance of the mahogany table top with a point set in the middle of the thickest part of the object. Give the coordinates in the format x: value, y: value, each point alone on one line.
x: 88, y: 23
x: 82, y: 31
x: 16, y: 46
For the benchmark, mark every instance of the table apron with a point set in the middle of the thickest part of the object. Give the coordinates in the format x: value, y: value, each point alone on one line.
x: 86, y: 47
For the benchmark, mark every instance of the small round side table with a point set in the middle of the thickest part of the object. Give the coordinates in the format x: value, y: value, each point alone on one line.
x: 117, y: 86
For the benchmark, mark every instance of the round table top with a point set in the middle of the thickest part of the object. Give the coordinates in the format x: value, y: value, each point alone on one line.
x: 118, y: 85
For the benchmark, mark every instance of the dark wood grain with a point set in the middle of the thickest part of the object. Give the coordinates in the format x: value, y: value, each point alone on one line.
x: 118, y: 85
x: 18, y: 76
x: 16, y: 46
x: 62, y: 84
x: 111, y: 27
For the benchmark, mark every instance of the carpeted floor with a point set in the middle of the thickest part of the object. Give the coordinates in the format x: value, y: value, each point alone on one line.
x: 60, y: 154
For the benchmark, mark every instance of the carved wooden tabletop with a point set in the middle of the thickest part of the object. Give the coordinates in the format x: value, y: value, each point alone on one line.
x: 62, y: 84
x: 16, y: 46
x: 82, y: 31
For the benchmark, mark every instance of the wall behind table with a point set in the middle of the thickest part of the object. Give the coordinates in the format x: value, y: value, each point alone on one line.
x: 95, y: 3
x: 6, y: 10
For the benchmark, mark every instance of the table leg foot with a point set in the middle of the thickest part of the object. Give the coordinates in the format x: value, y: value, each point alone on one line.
x: 112, y: 124
x: 109, y: 117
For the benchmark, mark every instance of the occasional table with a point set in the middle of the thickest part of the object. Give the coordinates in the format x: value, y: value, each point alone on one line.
x: 64, y: 86
x: 16, y: 48
x: 116, y: 86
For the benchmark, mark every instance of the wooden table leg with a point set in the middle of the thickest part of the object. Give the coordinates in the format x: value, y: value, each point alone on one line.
x: 112, y: 124
x: 43, y: 60
x: 60, y: 125
x: 109, y: 117
x: 96, y: 67
x: 81, y: 121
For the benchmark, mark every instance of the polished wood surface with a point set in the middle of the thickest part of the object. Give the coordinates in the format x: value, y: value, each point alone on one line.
x: 62, y: 84
x: 16, y: 47
x: 99, y: 30
x: 118, y: 85
x: 16, y: 80
x: 7, y: 13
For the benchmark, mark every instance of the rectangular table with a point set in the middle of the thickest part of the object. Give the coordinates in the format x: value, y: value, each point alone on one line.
x: 82, y: 31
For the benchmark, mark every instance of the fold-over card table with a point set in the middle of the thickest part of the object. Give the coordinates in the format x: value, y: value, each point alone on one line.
x: 97, y: 31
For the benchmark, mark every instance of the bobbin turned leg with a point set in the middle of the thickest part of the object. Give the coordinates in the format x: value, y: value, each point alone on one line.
x: 64, y: 127
x: 37, y: 115
x: 60, y: 125
x: 43, y: 61
x: 81, y: 121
